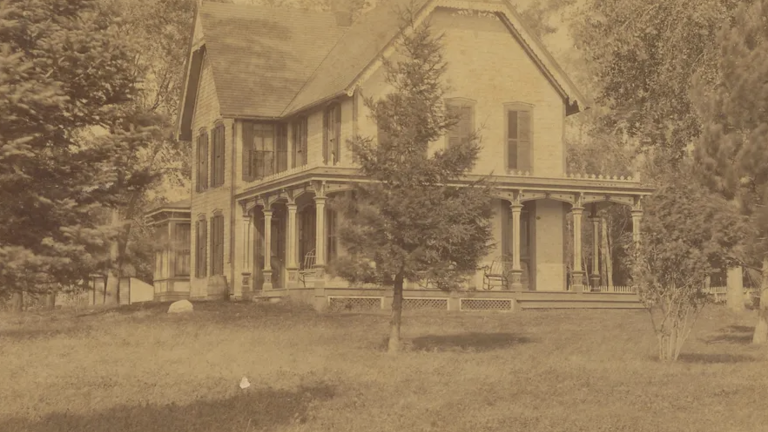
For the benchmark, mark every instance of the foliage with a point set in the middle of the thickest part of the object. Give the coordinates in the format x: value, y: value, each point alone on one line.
x: 68, y: 137
x: 733, y: 149
x: 411, y: 222
x: 686, y: 233
x: 643, y: 56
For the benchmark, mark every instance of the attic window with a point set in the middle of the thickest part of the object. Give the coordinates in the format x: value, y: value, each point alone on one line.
x: 519, y: 133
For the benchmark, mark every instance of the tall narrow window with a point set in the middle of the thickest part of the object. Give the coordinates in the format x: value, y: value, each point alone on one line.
x: 299, y: 142
x: 217, y: 157
x: 201, y: 248
x: 160, y: 232
x: 519, y: 137
x: 217, y: 245
x: 281, y: 148
x: 264, y: 149
x: 181, y: 249
x: 332, y: 134
x: 461, y: 132
x: 332, y: 240
x: 202, y: 162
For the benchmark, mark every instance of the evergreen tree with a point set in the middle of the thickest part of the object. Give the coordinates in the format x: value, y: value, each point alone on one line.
x: 413, y: 222
x: 69, y: 133
x: 733, y: 149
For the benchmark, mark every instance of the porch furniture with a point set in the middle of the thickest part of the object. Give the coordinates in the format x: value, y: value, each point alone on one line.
x: 308, y: 269
x: 495, y: 275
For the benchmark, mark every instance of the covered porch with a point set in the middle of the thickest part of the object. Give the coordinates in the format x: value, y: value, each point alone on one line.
x: 288, y: 236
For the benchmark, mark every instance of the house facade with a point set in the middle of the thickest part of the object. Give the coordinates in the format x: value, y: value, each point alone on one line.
x: 272, y: 95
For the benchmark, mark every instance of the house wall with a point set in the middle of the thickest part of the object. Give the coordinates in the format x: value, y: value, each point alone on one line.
x: 488, y: 66
x: 204, y: 204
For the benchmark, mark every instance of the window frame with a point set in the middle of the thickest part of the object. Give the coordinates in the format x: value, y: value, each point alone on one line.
x: 182, y: 249
x: 460, y: 102
x: 217, y: 244
x: 300, y: 129
x: 518, y: 107
x: 218, y: 159
x: 332, y: 118
x: 201, y: 247
x: 202, y: 169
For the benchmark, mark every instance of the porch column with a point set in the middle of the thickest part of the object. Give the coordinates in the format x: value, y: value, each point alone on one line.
x: 247, y: 261
x: 320, y: 235
x: 637, y: 216
x: 267, y: 270
x: 517, y: 272
x: 595, y: 277
x: 578, y: 273
x: 291, y: 246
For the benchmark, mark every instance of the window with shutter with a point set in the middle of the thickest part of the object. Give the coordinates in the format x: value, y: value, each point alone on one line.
x: 461, y: 132
x: 217, y: 157
x: 332, y: 134
x: 201, y: 248
x: 299, y: 142
x: 202, y: 162
x: 247, y: 153
x: 217, y: 245
x: 519, y: 137
x: 281, y: 148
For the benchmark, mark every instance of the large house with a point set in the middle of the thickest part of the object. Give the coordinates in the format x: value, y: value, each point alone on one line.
x: 270, y: 98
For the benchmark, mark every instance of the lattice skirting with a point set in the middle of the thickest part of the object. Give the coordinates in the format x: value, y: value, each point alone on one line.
x: 472, y: 304
x: 354, y: 303
x: 416, y: 303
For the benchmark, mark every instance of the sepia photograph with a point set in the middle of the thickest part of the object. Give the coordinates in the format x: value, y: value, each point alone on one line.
x: 383, y: 215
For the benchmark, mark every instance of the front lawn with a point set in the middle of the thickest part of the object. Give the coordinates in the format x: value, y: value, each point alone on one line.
x: 138, y: 369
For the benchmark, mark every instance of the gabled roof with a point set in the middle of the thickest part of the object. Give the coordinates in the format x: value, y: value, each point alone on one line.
x: 262, y: 56
x: 271, y: 63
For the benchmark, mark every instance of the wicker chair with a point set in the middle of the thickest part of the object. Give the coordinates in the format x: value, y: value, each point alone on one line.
x: 308, y: 270
x: 495, y: 275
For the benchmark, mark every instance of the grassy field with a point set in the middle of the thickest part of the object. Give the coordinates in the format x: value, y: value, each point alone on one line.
x: 138, y: 369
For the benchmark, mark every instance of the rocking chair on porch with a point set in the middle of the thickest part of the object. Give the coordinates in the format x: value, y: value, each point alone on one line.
x: 309, y: 268
x: 495, y: 275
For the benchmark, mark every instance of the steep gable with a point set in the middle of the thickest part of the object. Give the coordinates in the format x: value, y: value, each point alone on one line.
x: 273, y: 62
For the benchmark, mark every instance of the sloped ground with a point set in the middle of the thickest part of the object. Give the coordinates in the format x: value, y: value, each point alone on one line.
x: 138, y: 369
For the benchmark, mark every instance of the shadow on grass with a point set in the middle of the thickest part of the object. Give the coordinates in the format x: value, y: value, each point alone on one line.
x: 252, y: 411
x: 733, y: 334
x: 715, y: 358
x: 467, y: 341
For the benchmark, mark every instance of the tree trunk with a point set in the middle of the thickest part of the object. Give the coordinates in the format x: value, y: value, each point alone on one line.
x: 761, y: 329
x: 50, y: 300
x: 397, y: 315
x: 17, y: 302
x: 735, y: 292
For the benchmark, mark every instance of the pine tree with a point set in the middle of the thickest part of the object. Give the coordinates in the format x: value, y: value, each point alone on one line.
x: 69, y: 134
x: 412, y: 222
x: 733, y: 149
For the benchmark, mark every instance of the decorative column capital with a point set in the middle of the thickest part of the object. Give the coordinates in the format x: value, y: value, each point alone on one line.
x: 577, y: 210
x: 267, y: 213
x: 292, y: 206
x: 320, y: 199
x: 636, y: 213
x: 516, y: 206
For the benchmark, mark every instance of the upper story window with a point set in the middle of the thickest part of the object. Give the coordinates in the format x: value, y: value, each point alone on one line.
x: 462, y: 131
x: 299, y: 144
x: 332, y: 134
x: 217, y: 157
x: 519, y: 136
x: 201, y: 177
x: 265, y: 149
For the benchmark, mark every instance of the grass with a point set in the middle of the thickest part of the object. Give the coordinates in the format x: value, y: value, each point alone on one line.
x: 138, y: 369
